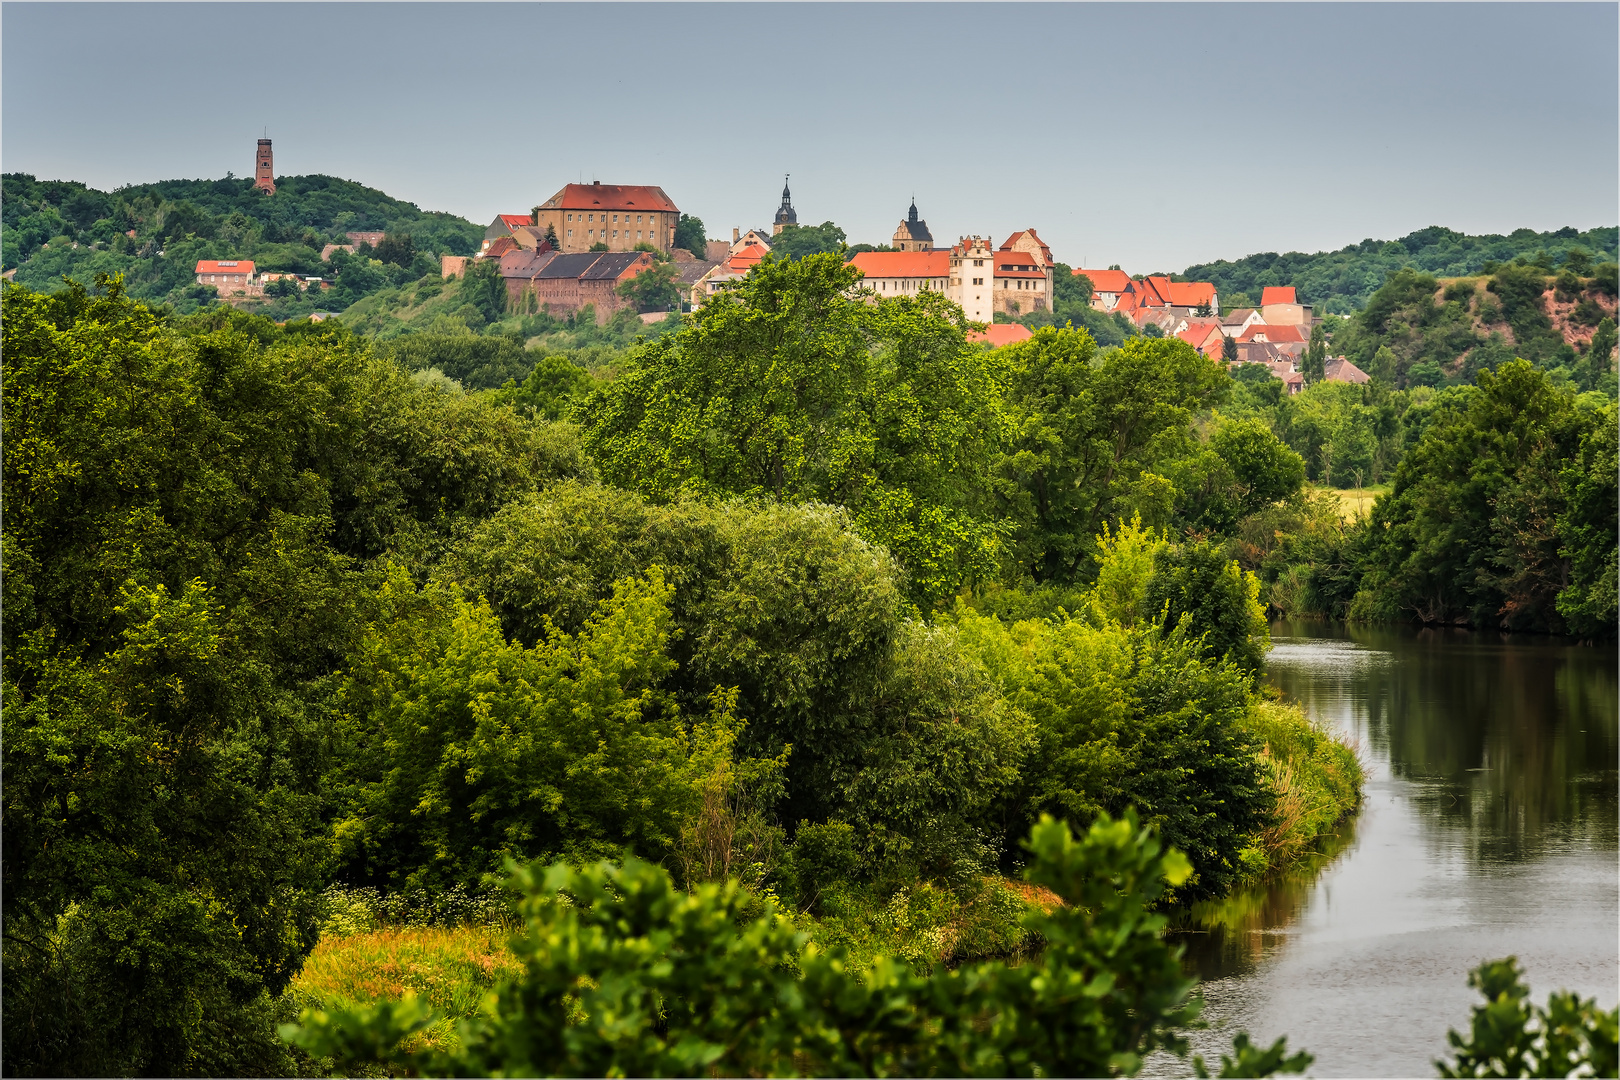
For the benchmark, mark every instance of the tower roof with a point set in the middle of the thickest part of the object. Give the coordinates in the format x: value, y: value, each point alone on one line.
x: 785, y: 214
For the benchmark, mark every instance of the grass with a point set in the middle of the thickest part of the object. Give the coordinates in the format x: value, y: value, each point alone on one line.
x: 1357, y: 503
x: 1317, y: 780
x: 450, y: 969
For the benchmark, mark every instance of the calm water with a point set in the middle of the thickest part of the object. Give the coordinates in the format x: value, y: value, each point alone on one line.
x: 1489, y: 829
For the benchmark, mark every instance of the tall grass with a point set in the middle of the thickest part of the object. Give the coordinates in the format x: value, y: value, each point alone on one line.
x: 1316, y: 778
x: 450, y: 969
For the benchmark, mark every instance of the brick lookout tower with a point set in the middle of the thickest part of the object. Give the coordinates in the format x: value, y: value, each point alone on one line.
x: 264, y: 169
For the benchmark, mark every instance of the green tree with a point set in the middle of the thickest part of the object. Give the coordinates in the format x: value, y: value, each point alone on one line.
x: 1229, y: 349
x: 798, y: 241
x: 1599, y: 354
x: 550, y: 389
x: 483, y: 287
x: 691, y: 235
x: 1091, y: 431
x: 1315, y: 356
x: 695, y: 982
x: 653, y: 289
x: 789, y: 388
x: 395, y: 248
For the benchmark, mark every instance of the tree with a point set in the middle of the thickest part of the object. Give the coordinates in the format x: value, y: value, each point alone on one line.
x: 395, y: 248
x: 653, y: 289
x: 691, y: 235
x: 699, y: 983
x: 798, y: 241
x: 1599, y: 354
x: 1511, y: 1036
x: 1316, y: 356
x: 1229, y: 349
x: 1090, y: 434
x: 483, y: 287
x: 789, y: 388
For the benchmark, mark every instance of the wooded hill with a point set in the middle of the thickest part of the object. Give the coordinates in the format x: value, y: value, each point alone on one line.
x: 59, y: 227
x: 1343, y: 281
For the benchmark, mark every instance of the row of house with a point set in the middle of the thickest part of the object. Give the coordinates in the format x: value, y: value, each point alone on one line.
x: 237, y: 280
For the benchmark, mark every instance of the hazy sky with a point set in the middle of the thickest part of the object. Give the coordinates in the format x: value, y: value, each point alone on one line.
x: 1151, y: 135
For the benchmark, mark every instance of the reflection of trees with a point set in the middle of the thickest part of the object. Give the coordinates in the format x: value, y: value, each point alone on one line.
x: 1514, y: 740
x: 1229, y: 936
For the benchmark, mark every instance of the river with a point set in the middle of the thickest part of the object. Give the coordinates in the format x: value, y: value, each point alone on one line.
x: 1489, y: 829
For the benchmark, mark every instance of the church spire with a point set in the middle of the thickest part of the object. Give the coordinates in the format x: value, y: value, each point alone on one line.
x: 784, y: 214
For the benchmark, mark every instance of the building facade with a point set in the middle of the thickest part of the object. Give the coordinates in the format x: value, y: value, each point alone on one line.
x: 617, y: 215
x: 972, y: 278
x: 231, y: 277
x: 562, y: 285
x: 1023, y: 275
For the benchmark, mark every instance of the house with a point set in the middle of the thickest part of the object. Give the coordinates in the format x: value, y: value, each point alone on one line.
x: 1106, y: 286
x: 229, y: 276
x: 999, y: 334
x: 746, y: 258
x: 498, y: 247
x: 503, y: 225
x: 566, y: 283
x: 904, y: 273
x: 1023, y: 275
x: 532, y: 238
x: 1338, y: 369
x: 1234, y: 322
x: 1204, y: 335
x: 1289, y: 339
x: 751, y: 238
x: 718, y: 278
x: 618, y: 215
x: 369, y: 238
x: 1279, y: 306
x: 912, y: 233
x: 519, y: 268
x: 715, y: 250
x: 689, y: 272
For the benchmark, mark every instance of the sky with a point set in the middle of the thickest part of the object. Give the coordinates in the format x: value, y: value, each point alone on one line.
x: 1154, y: 136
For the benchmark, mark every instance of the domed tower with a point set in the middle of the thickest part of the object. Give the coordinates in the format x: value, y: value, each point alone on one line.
x: 784, y: 213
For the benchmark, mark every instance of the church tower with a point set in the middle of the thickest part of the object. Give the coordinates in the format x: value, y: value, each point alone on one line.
x: 784, y: 213
x: 264, y: 169
x: 913, y: 234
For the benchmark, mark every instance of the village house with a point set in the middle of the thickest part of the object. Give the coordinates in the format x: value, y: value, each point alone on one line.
x: 1107, y: 286
x: 358, y: 238
x: 726, y: 273
x: 618, y: 215
x: 998, y: 334
x: 504, y: 225
x: 232, y: 277
x: 1289, y: 339
x: 1234, y: 322
x: 1279, y: 306
x: 1154, y: 299
x: 1338, y: 369
x: 1204, y: 335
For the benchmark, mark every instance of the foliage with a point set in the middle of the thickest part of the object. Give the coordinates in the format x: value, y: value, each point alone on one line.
x: 475, y: 362
x: 1090, y: 433
x: 798, y: 241
x: 1510, y: 1036
x: 483, y: 287
x: 1344, y: 280
x: 653, y: 289
x: 625, y: 975
x: 1315, y: 779
x: 788, y: 388
x: 549, y: 390
x: 690, y: 234
x: 1071, y: 307
x: 1480, y: 515
x: 1196, y: 586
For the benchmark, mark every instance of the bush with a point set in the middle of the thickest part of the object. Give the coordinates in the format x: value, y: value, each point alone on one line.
x: 1510, y: 1036
x: 625, y: 975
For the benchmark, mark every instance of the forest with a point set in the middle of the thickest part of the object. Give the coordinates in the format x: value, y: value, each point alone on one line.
x: 802, y: 637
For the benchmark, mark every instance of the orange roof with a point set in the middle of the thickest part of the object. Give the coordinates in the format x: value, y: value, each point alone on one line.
x: 610, y: 197
x: 999, y: 334
x: 1046, y: 252
x: 1188, y: 293
x: 1277, y: 294
x: 513, y: 221
x: 1277, y: 335
x: 499, y: 246
x: 225, y: 266
x: 903, y: 264
x: 1017, y: 264
x: 746, y: 258
x: 1111, y: 281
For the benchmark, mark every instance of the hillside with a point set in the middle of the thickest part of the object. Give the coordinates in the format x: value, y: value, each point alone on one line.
x: 57, y: 227
x: 1342, y: 281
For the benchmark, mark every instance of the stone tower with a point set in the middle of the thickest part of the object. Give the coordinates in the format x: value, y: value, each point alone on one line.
x: 784, y: 213
x: 264, y: 169
x: 913, y: 234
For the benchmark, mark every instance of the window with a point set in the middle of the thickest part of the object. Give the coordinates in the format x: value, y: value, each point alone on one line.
x: 590, y: 217
x: 978, y: 262
x: 570, y: 234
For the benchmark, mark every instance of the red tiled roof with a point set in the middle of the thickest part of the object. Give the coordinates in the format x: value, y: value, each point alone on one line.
x: 903, y: 264
x: 1277, y: 294
x: 1187, y: 293
x: 999, y: 334
x: 1046, y: 252
x: 1012, y: 264
x: 1277, y: 335
x: 1110, y: 281
x: 1339, y: 369
x: 225, y: 266
x: 514, y: 221
x: 746, y: 258
x: 611, y: 197
x: 499, y: 246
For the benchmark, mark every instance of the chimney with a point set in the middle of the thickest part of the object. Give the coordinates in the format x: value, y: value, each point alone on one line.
x: 596, y: 183
x: 736, y: 234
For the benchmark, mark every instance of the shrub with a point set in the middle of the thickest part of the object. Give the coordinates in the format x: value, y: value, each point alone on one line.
x: 1509, y: 1036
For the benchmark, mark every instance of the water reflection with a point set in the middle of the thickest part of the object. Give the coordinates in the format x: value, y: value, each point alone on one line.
x: 1489, y: 828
